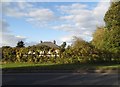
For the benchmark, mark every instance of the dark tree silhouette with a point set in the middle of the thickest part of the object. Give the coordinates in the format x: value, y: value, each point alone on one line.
x: 54, y: 42
x: 63, y: 45
x: 41, y: 41
x: 20, y: 44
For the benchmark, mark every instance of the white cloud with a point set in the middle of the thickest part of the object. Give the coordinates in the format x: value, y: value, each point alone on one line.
x: 26, y: 10
x: 6, y: 37
x: 70, y: 37
x: 11, y: 40
x: 64, y: 27
x: 100, y: 11
x: 30, y: 43
x: 29, y: 12
x: 23, y: 5
x: 8, y: 10
x: 4, y: 26
x: 78, y: 20
x: 76, y: 6
x: 67, y: 38
x: 40, y: 15
x: 84, y: 21
x: 15, y: 13
x: 69, y: 17
x: 56, y: 0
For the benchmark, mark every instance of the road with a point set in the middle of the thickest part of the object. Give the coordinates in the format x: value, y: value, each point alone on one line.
x: 60, y: 79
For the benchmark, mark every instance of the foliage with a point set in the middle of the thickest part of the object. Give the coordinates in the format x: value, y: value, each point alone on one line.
x: 20, y: 44
x: 107, y: 39
x: 105, y: 46
x: 98, y: 38
x: 62, y: 47
x: 80, y: 52
x: 54, y: 42
x: 112, y: 20
x: 8, y: 54
x: 112, y: 16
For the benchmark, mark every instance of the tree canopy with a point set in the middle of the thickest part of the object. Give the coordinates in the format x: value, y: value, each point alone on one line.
x: 112, y: 16
x: 20, y: 44
x: 112, y: 20
x: 108, y: 37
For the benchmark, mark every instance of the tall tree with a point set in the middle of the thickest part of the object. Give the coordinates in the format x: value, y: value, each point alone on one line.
x: 20, y: 44
x: 98, y: 38
x: 63, y: 45
x: 108, y: 37
x: 112, y: 21
x: 112, y: 16
x: 54, y: 42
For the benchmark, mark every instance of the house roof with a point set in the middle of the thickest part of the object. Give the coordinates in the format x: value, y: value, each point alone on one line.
x: 49, y: 44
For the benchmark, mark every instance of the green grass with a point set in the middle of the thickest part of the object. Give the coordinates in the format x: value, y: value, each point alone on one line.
x: 59, y: 66
x: 17, y: 65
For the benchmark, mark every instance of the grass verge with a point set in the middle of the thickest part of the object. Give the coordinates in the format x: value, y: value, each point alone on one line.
x: 59, y: 66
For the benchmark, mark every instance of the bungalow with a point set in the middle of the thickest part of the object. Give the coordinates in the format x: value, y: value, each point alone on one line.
x: 52, y: 52
x: 54, y: 48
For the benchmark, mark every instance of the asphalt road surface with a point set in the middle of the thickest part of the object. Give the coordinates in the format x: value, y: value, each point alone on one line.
x: 60, y: 79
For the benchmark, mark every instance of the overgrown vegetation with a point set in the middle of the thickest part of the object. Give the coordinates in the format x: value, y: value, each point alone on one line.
x: 105, y: 46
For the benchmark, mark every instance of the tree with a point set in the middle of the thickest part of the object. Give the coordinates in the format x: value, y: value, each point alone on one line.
x: 112, y: 16
x: 54, y: 42
x: 112, y: 21
x: 20, y: 44
x: 107, y: 39
x: 98, y: 38
x: 5, y: 47
x: 8, y: 54
x: 63, y: 45
x: 41, y: 41
x: 81, y: 50
x: 62, y: 48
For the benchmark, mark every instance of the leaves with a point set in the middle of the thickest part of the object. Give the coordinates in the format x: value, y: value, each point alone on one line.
x: 20, y: 44
x: 112, y: 16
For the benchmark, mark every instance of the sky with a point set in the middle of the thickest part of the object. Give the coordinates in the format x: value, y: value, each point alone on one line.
x: 32, y: 22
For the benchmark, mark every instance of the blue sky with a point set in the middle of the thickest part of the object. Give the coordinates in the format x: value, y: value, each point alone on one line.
x: 48, y: 21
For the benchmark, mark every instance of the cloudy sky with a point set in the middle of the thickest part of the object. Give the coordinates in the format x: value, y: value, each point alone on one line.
x: 48, y: 21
